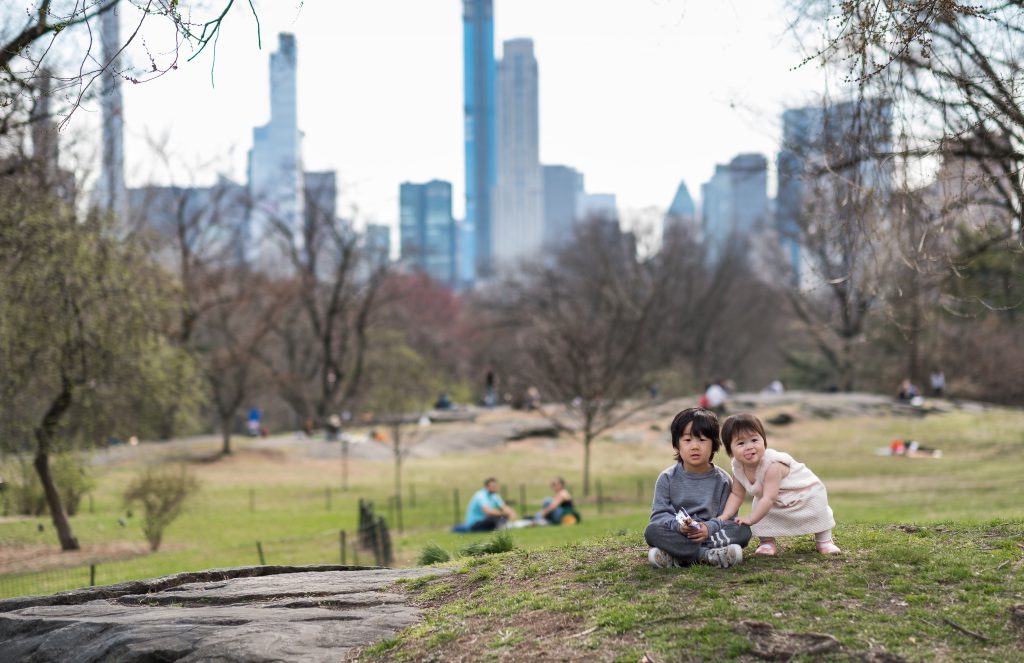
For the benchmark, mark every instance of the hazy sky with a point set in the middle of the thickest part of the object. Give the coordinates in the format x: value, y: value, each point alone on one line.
x: 637, y: 94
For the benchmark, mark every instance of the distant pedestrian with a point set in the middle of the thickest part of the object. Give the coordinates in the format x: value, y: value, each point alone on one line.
x: 252, y: 425
x: 715, y: 398
x: 908, y: 391
x: 937, y: 381
x: 558, y: 509
x: 486, y: 510
x: 490, y: 390
x: 333, y: 428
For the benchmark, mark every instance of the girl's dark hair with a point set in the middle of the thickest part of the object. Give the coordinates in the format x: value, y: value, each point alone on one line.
x: 705, y: 424
x: 736, y: 424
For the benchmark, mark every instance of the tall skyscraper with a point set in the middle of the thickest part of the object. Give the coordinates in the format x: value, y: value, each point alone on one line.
x: 111, y: 194
x: 481, y: 164
x: 466, y: 246
x: 735, y: 202
x: 561, y: 186
x: 427, y: 229
x: 321, y: 191
x: 377, y: 243
x: 601, y: 206
x: 682, y: 212
x: 847, y: 143
x: 275, y: 161
x: 518, y: 222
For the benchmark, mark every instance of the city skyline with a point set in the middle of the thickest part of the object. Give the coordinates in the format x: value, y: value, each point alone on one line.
x: 589, y: 78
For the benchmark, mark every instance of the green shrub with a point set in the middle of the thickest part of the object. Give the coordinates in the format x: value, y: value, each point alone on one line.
x: 499, y: 543
x: 24, y: 493
x: 433, y: 554
x: 25, y: 496
x: 162, y: 491
x: 73, y: 476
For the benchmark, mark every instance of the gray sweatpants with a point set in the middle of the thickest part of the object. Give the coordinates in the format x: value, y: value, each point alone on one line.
x: 688, y: 552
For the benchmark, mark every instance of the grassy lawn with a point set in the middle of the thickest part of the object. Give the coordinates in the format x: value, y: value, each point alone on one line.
x: 912, y: 592
x: 891, y: 590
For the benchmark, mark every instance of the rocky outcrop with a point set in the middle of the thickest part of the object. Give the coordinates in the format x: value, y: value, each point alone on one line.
x: 257, y: 614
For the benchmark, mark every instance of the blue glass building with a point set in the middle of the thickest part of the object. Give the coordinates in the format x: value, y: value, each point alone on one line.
x: 427, y: 229
x: 478, y: 84
x: 848, y: 143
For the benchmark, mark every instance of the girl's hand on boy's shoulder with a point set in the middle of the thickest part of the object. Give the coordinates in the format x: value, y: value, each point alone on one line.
x: 696, y: 535
x: 744, y: 520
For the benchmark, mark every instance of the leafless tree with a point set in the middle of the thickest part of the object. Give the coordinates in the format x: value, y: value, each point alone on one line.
x: 229, y: 338
x: 955, y: 72
x: 399, y: 387
x: 722, y: 311
x: 834, y: 194
x: 196, y: 234
x: 317, y: 358
x: 580, y: 328
x: 56, y: 43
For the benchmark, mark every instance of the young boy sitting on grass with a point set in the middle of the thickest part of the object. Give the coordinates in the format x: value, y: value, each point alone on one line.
x: 694, y: 488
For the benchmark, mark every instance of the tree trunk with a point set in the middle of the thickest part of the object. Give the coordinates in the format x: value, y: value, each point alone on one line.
x: 225, y: 431
x: 344, y: 464
x: 846, y: 381
x: 397, y: 442
x: 914, y: 334
x: 587, y: 437
x: 60, y: 519
x: 44, y: 435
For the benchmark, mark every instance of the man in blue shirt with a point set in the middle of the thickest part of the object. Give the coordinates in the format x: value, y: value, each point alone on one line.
x: 487, y: 511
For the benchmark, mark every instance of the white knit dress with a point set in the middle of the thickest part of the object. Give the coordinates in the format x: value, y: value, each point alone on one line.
x: 802, y: 505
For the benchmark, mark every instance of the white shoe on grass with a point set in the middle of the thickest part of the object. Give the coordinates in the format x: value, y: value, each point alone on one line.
x: 660, y: 559
x: 724, y: 557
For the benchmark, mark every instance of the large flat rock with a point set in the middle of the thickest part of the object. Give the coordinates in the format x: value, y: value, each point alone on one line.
x: 244, y: 614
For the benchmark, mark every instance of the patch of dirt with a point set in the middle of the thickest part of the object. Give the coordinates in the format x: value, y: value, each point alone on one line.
x: 1017, y: 615
x: 770, y: 644
x: 26, y: 558
x: 531, y: 635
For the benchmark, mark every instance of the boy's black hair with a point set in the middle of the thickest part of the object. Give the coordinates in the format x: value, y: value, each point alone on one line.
x: 705, y: 424
x: 738, y: 424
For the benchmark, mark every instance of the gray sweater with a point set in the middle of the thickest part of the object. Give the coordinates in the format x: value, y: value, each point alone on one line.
x: 702, y: 495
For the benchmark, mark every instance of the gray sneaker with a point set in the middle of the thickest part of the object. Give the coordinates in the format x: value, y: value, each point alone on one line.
x: 724, y: 557
x: 660, y: 559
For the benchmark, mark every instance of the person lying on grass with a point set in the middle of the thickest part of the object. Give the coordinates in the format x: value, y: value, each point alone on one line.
x: 695, y: 491
x: 789, y: 499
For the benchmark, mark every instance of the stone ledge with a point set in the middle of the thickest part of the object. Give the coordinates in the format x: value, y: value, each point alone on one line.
x: 264, y: 613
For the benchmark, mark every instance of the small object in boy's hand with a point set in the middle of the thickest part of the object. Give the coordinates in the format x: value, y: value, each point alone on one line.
x: 684, y: 518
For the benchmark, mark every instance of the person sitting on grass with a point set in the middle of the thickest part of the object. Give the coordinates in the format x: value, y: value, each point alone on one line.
x: 688, y: 496
x: 487, y: 511
x: 789, y: 499
x: 558, y: 506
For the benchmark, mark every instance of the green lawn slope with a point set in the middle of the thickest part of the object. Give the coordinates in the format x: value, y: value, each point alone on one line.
x: 944, y: 591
